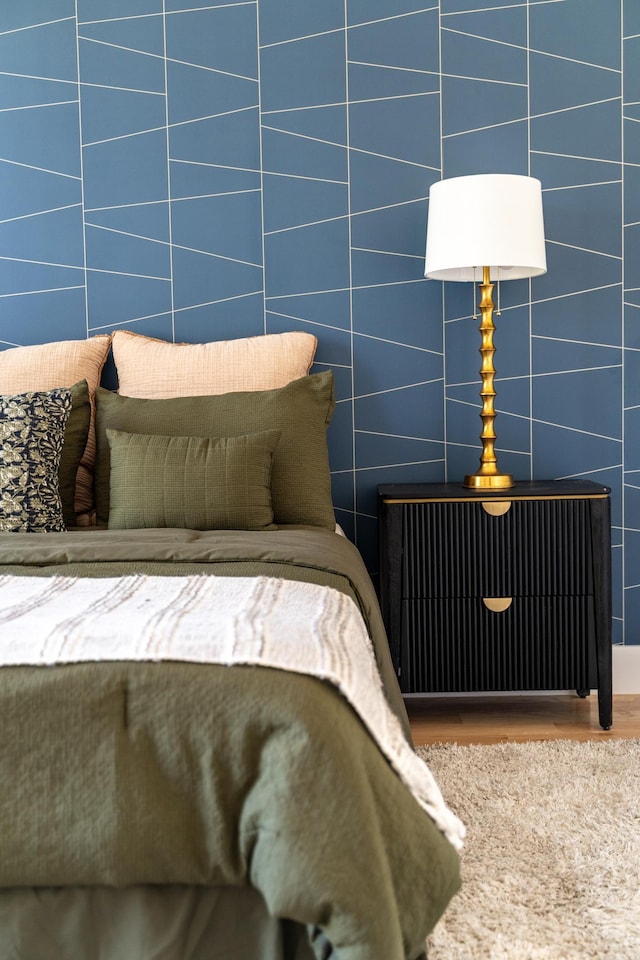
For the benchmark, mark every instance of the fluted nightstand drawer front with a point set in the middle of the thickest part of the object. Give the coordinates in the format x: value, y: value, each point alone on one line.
x: 498, y: 590
x: 464, y: 645
x: 536, y: 548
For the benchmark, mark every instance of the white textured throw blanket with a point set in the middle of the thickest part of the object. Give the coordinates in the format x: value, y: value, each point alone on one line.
x: 261, y: 621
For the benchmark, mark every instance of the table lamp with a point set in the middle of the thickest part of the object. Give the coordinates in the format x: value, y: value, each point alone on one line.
x: 488, y: 227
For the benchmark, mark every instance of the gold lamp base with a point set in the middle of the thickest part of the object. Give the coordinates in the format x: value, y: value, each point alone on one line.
x: 498, y: 481
x: 488, y: 476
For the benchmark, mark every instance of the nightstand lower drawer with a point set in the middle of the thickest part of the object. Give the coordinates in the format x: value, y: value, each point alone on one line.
x: 537, y: 643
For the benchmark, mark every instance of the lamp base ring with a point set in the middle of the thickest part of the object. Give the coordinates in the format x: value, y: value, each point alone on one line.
x: 497, y: 481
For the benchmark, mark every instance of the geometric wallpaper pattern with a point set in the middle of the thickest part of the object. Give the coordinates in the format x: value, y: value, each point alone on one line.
x: 204, y: 170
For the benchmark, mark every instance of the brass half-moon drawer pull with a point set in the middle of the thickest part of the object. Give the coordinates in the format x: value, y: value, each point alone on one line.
x: 497, y: 604
x: 496, y: 507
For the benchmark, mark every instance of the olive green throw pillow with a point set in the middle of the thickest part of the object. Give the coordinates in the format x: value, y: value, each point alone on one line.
x: 195, y: 483
x: 301, y: 411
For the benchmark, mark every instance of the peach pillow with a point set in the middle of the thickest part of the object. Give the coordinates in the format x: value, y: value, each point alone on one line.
x: 61, y: 364
x: 158, y: 370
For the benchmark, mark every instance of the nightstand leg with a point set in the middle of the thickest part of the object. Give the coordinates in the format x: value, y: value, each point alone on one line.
x: 605, y: 697
x: 601, y: 533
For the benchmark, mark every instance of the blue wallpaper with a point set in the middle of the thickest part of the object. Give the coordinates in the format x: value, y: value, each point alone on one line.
x: 203, y: 170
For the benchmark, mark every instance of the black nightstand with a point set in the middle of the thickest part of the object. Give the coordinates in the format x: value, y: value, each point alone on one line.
x: 498, y: 590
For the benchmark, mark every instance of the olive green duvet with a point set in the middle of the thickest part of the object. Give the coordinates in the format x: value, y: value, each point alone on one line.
x: 182, y: 811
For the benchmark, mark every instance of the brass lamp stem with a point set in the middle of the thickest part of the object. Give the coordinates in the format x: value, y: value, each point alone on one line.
x: 487, y: 476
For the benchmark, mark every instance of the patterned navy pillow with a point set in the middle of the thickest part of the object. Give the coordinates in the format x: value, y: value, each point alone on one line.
x: 32, y: 429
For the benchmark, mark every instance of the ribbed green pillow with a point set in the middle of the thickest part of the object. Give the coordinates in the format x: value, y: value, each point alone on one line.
x: 301, y: 411
x: 195, y: 483
x: 75, y: 441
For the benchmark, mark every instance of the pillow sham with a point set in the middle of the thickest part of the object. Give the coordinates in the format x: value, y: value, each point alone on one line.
x: 301, y: 411
x: 196, y: 483
x: 156, y: 369
x: 32, y: 427
x: 75, y: 442
x: 60, y: 364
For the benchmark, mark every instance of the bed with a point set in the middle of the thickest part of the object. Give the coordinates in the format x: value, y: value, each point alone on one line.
x: 205, y: 752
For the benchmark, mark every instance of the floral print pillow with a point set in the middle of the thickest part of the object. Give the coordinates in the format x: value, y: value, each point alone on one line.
x: 32, y: 429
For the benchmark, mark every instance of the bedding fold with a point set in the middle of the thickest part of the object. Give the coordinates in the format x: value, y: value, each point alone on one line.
x: 250, y: 621
x: 313, y: 555
x: 125, y: 773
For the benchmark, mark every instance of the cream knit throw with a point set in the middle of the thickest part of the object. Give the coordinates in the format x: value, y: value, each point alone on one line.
x: 263, y: 621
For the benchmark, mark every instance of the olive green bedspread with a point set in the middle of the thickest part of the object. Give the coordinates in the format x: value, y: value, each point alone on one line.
x: 122, y: 773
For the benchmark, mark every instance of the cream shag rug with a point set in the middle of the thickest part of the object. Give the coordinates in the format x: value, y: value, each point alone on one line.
x: 551, y: 865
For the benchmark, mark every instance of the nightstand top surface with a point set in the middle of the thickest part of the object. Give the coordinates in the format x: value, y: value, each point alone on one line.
x: 522, y: 489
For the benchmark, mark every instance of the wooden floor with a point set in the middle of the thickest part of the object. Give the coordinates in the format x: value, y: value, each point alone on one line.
x: 466, y: 720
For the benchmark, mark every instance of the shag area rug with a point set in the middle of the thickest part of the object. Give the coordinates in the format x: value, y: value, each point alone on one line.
x: 551, y: 864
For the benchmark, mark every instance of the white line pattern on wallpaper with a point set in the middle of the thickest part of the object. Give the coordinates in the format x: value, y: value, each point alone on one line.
x: 573, y: 156
x: 388, y: 66
x: 31, y: 166
x: 35, y: 26
x: 575, y: 246
x: 112, y: 325
x: 576, y: 106
x: 29, y: 293
x: 393, y: 96
x: 38, y: 106
x: 395, y: 16
x: 44, y: 263
x: 452, y: 24
x: 467, y: 76
x: 478, y: 36
x: 108, y: 86
x: 40, y: 213
x: 159, y: 56
x: 488, y: 126
x: 356, y: 333
x: 586, y: 343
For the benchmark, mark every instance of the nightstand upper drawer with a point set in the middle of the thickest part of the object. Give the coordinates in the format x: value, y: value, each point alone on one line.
x: 458, y: 549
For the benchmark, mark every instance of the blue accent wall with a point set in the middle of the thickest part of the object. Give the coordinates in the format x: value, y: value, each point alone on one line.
x: 203, y: 170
